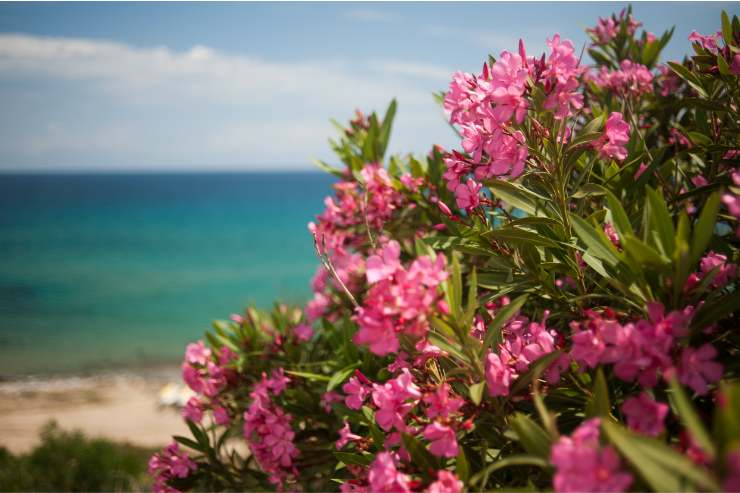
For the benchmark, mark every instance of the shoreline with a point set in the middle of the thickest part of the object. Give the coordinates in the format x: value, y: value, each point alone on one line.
x: 119, y: 405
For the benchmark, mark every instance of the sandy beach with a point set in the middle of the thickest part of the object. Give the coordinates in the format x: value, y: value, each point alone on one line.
x: 121, y: 407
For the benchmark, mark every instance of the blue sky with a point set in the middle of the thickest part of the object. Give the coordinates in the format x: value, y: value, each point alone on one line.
x: 211, y: 86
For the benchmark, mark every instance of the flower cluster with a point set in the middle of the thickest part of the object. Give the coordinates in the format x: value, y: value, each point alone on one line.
x: 531, y: 339
x: 399, y: 301
x: 524, y: 343
x: 632, y: 79
x: 607, y: 29
x: 169, y: 464
x: 582, y: 464
x: 267, y: 429
x: 207, y: 375
x: 645, y: 349
x: 612, y: 144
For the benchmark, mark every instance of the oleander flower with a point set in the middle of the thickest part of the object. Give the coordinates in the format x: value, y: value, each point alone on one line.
x: 583, y: 464
x: 645, y: 415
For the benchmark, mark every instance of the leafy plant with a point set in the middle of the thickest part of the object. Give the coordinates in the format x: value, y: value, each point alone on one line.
x: 553, y: 305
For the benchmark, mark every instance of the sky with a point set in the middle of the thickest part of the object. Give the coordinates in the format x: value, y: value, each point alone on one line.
x: 252, y: 86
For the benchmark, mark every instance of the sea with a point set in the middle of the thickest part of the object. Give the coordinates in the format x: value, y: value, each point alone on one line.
x: 100, y: 272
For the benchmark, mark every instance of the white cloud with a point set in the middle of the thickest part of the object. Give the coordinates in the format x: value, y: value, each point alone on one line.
x: 164, y: 107
x: 371, y: 15
x: 411, y: 69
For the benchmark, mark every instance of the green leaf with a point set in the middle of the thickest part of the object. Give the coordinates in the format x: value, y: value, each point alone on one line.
x: 660, y: 466
x: 472, y: 301
x: 596, y: 242
x: 660, y: 221
x: 619, y: 216
x: 476, y: 392
x: 385, y: 128
x: 455, y: 301
x: 704, y: 227
x: 199, y: 435
x: 419, y: 454
x: 308, y: 375
x: 189, y: 443
x: 598, y: 404
x: 503, y: 315
x: 689, y: 77
x: 329, y: 169
x: 716, y: 310
x: 514, y: 195
x: 690, y: 418
x: 512, y: 460
x: 727, y: 417
x: 535, y: 369
x: 519, y: 236
x: 533, y: 438
x: 340, y: 376
x: 462, y: 466
x: 727, y: 30
x: 353, y: 459
x: 643, y: 254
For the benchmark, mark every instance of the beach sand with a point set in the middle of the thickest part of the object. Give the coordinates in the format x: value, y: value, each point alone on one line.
x: 119, y: 407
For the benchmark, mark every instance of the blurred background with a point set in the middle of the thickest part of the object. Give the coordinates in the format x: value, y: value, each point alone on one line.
x: 155, y: 170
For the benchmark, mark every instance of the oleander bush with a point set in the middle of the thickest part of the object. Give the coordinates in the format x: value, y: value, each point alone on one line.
x: 551, y: 305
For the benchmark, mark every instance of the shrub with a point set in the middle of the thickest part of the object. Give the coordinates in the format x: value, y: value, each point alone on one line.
x: 551, y: 305
x: 69, y: 461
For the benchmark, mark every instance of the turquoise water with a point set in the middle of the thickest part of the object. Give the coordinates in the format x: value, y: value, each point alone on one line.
x: 101, y: 271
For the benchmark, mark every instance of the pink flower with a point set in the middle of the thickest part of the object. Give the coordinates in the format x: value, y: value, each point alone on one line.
x: 269, y: 435
x: 444, y: 441
x: 410, y: 182
x: 192, y: 378
x: 392, y: 400
x: 345, y: 435
x: 708, y: 42
x: 732, y: 466
x: 697, y: 368
x: 717, y: 263
x: 582, y: 464
x: 303, y: 332
x: 169, y: 464
x: 611, y: 233
x: 677, y: 138
x: 197, y: 353
x: 605, y: 31
x: 735, y: 65
x: 401, y: 302
x: 632, y: 79
x: 316, y: 308
x: 498, y: 375
x: 732, y: 202
x: 356, y: 393
x: 221, y: 416
x: 226, y: 356
x: 440, y: 403
x: 328, y: 398
x: 643, y: 167
x: 384, y: 477
x: 466, y: 195
x: 645, y: 415
x: 668, y: 81
x: 193, y: 410
x: 612, y: 145
x: 447, y: 482
x: 401, y: 362
x: 382, y: 267
x: 427, y: 351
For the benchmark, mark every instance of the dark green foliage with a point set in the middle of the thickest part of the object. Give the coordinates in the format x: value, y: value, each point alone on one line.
x: 69, y: 461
